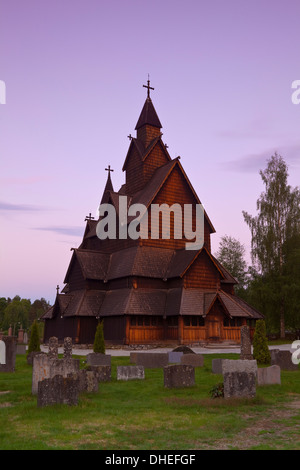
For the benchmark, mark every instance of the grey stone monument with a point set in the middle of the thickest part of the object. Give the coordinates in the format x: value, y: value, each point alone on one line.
x: 269, y: 375
x: 239, y: 378
x: 245, y: 343
x: 9, y: 351
x: 58, y: 390
x: 179, y: 375
x: 196, y: 360
x: 130, y: 372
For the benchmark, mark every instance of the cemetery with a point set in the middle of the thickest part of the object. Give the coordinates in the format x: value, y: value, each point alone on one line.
x: 146, y: 399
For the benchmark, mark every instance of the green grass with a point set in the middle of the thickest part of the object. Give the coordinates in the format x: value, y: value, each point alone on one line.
x: 138, y: 415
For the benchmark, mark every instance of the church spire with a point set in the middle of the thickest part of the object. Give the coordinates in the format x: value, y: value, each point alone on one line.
x: 148, y: 125
x: 108, y: 187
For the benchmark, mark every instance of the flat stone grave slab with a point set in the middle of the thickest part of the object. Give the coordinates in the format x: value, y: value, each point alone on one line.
x: 152, y: 360
x: 103, y: 373
x: 130, y: 372
x: 58, y: 390
x: 239, y: 378
x: 98, y: 359
x: 175, y: 356
x: 179, y: 376
x: 283, y: 359
x: 195, y: 360
x: 269, y: 375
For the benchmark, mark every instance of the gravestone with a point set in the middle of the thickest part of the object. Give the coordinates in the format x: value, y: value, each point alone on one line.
x: 21, y: 349
x: 67, y: 348
x: 239, y: 378
x: 53, y: 347
x: 98, y: 359
x: 48, y: 365
x: 102, y: 373
x: 133, y: 357
x: 179, y: 375
x: 283, y: 359
x: 245, y: 343
x: 25, y: 341
x: 87, y: 380
x: 196, y: 360
x: 216, y: 365
x: 130, y: 372
x: 41, y: 370
x: 184, y: 349
x: 9, y: 351
x: 175, y: 356
x: 20, y: 336
x: 2, y: 352
x: 152, y: 360
x: 58, y: 390
x: 269, y: 375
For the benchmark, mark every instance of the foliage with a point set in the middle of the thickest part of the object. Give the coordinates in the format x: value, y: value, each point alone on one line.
x: 231, y: 255
x: 260, y: 344
x: 276, y: 227
x: 99, y: 344
x: 217, y: 391
x: 19, y: 312
x: 16, y: 314
x: 34, y: 343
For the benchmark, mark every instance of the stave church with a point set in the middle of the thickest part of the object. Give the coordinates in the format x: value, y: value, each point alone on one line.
x: 151, y: 289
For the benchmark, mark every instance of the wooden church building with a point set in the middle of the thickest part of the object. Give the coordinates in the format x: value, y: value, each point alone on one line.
x: 148, y: 290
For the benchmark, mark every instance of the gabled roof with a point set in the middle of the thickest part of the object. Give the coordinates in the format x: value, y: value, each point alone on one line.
x: 144, y: 152
x: 130, y: 301
x: 148, y: 116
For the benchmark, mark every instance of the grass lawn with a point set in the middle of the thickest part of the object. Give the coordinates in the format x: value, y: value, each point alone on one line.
x: 143, y: 415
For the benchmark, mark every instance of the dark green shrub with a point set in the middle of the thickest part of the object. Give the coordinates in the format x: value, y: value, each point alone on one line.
x: 260, y: 344
x: 34, y: 342
x: 99, y: 344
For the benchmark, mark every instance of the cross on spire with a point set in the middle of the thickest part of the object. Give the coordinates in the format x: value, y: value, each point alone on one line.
x: 89, y: 217
x: 148, y: 87
x: 108, y: 169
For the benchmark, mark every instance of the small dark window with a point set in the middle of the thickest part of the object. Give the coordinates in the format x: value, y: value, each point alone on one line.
x: 147, y: 321
x: 153, y: 321
x: 186, y: 321
x: 140, y: 321
x: 194, y: 321
x: 132, y: 321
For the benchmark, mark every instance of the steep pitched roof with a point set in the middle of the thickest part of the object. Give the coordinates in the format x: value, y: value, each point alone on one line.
x: 142, y: 151
x: 148, y: 116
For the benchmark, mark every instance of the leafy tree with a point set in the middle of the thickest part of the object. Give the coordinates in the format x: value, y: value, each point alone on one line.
x: 99, y: 344
x: 260, y: 344
x: 231, y: 255
x: 278, y: 220
x: 34, y: 342
x: 3, y: 305
x: 16, y: 314
x: 37, y: 309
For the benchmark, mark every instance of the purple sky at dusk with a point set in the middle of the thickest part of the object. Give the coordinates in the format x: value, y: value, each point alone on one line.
x: 74, y: 70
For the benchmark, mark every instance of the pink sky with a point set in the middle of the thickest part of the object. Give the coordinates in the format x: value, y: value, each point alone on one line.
x: 74, y: 70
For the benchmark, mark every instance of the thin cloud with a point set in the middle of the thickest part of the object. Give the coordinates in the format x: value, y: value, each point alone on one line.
x: 253, y: 163
x: 70, y: 231
x: 7, y: 206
